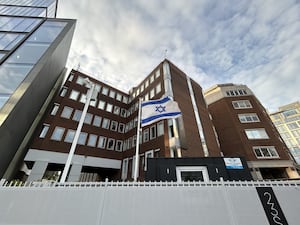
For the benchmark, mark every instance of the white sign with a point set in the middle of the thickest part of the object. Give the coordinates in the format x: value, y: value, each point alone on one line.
x: 233, y: 163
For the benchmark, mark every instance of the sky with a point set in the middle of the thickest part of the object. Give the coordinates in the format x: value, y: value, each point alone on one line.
x: 252, y: 42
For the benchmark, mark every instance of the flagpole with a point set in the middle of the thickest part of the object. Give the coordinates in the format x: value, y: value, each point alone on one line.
x: 138, y: 129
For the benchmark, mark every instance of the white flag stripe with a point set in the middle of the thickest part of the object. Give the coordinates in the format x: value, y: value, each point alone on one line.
x: 156, y: 110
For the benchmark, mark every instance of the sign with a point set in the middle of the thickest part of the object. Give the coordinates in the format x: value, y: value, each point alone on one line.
x: 233, y: 163
x: 271, y: 206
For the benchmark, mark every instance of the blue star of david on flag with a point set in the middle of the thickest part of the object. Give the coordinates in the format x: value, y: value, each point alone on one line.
x: 155, y: 110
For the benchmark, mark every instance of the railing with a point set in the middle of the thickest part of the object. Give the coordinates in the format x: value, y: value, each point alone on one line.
x: 262, y: 183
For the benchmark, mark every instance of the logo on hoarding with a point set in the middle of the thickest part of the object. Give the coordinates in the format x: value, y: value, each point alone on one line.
x: 233, y: 163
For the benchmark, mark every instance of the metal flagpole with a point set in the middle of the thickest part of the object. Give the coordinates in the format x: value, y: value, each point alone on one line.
x: 136, y: 163
x: 78, y: 130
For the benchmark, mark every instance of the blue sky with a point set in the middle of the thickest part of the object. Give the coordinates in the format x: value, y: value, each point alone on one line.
x: 252, y: 42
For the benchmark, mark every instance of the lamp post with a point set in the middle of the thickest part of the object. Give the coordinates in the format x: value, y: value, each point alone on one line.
x: 91, y: 87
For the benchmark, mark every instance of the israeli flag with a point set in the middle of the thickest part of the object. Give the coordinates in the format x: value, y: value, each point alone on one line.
x: 155, y: 110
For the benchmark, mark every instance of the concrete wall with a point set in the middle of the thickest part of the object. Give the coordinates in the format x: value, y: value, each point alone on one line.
x: 146, y: 203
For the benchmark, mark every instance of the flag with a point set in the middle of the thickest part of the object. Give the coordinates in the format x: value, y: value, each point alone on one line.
x: 156, y: 110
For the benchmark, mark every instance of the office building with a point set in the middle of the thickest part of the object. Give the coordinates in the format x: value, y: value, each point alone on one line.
x: 33, y: 50
x: 287, y: 122
x: 107, y: 142
x: 245, y: 130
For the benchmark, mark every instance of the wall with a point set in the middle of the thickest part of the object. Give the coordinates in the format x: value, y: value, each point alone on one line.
x: 146, y: 203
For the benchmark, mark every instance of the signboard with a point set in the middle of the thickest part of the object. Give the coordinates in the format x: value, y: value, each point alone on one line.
x: 271, y: 206
x: 233, y: 163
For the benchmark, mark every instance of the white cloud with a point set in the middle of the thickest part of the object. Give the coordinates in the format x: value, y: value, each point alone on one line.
x: 254, y: 42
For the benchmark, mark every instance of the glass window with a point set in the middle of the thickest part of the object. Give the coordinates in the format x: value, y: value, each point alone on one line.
x: 248, y: 118
x: 92, y: 140
x: 111, y: 144
x: 71, y: 76
x: 152, y: 93
x: 70, y: 136
x: 265, y: 152
x: 66, y: 113
x: 109, y: 107
x: 125, y: 99
x: 88, y: 118
x: 114, y: 125
x: 259, y: 133
x: 160, y: 128
x: 101, y: 142
x: 152, y: 132
x: 82, y: 138
x: 119, y: 97
x: 289, y: 112
x: 57, y: 133
x: 119, y: 145
x: 101, y: 104
x: 151, y: 79
x: 123, y: 112
x: 157, y: 73
x: 80, y: 80
x: 146, y: 135
x: 77, y: 115
x: 9, y: 40
x: 117, y: 110
x: 293, y: 126
x: 63, y: 91
x: 44, y: 130
x: 97, y: 121
x: 54, y: 109
x: 105, y: 123
x: 158, y: 88
x: 121, y: 128
x: 93, y: 102
x: 104, y: 91
x: 242, y: 104
x: 112, y: 94
x: 74, y: 95
x: 83, y: 98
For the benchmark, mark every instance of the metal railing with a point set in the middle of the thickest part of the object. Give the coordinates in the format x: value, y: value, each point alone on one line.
x: 54, y: 184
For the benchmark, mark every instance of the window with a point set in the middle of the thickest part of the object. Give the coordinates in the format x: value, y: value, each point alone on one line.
x: 66, y: 113
x: 248, y: 118
x: 259, y: 133
x: 191, y: 173
x: 158, y: 88
x: 146, y: 97
x: 148, y: 154
x: 92, y: 140
x: 123, y: 112
x: 110, y: 144
x: 151, y: 79
x: 77, y: 115
x: 125, y: 99
x: 157, y: 73
x: 105, y: 123
x: 146, y: 135
x: 97, y: 121
x: 265, y: 152
x: 146, y: 83
x: 124, y: 169
x: 93, y: 102
x: 119, y: 145
x: 289, y: 112
x: 80, y: 80
x: 101, y: 104
x: 160, y: 128
x: 109, y: 107
x: 152, y: 132
x: 63, y: 91
x: 71, y: 77
x: 142, y: 88
x: 237, y: 92
x: 44, y: 130
x: 57, y: 133
x: 54, y: 109
x: 121, y: 128
x: 88, y: 118
x: 112, y: 94
x: 74, y: 95
x: 134, y: 141
x: 104, y: 91
x: 119, y: 97
x: 70, y: 136
x: 242, y: 104
x: 152, y: 93
x: 293, y: 126
x: 101, y: 142
x: 82, y: 98
x: 82, y: 138
x: 117, y: 110
x: 114, y: 125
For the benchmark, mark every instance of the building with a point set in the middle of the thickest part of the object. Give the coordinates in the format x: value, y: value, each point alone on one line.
x: 287, y: 122
x: 245, y: 130
x: 33, y: 50
x: 106, y: 145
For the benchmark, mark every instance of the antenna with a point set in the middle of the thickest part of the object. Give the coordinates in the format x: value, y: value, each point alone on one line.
x: 166, y: 52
